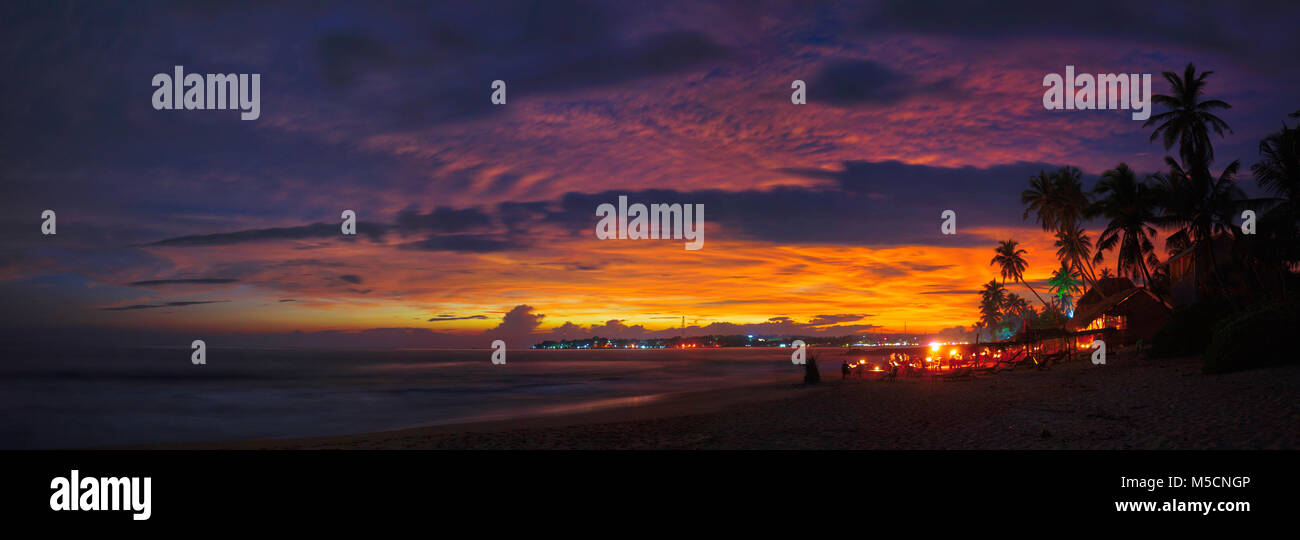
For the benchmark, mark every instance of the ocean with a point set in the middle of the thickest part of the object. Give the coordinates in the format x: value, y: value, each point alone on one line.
x: 73, y: 399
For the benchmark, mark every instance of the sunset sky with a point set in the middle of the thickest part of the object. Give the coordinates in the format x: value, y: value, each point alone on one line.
x: 478, y: 220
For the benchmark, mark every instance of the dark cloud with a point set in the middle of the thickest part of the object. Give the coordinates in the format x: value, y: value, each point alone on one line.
x: 823, y: 320
x: 344, y: 56
x: 441, y: 318
x: 1233, y: 28
x: 444, y: 220
x: 193, y: 281
x: 351, y: 278
x: 951, y: 291
x: 866, y: 203
x: 467, y: 243
x: 374, y: 231
x: 168, y: 304
x: 447, y: 60
x: 863, y: 82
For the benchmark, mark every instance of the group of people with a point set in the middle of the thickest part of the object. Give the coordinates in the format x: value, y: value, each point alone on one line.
x: 861, y: 367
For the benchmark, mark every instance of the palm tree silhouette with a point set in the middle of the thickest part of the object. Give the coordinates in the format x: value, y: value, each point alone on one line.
x: 1106, y: 274
x: 1039, y: 200
x: 1056, y: 199
x: 1278, y: 170
x: 1188, y: 121
x: 1059, y: 203
x: 1064, y: 283
x: 992, y: 298
x: 1278, y: 173
x: 1011, y: 262
x: 1199, y: 206
x: 1075, y: 247
x: 1129, y: 204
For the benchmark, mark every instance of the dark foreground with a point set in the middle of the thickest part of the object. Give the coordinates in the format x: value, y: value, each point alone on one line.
x: 1126, y: 404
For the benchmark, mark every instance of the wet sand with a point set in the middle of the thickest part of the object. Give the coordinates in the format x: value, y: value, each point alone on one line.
x: 1126, y: 404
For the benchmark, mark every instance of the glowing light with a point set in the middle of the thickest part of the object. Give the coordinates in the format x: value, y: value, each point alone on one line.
x: 934, y: 346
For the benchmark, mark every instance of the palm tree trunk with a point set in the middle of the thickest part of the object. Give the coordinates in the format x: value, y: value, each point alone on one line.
x: 1031, y: 289
x: 1214, y: 270
x: 1146, y: 273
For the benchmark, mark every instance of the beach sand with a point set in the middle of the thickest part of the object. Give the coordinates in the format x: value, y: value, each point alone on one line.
x: 1129, y: 403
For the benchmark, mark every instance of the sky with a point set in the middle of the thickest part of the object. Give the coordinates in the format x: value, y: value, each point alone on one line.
x: 477, y: 220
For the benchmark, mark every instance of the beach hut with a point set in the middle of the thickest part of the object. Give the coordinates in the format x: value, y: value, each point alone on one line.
x: 1123, y: 317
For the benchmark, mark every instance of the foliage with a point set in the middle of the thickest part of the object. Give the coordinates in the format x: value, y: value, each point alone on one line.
x: 1253, y: 339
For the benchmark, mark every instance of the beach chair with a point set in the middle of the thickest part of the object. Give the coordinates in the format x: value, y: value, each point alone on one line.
x: 1009, y: 363
x: 959, y: 374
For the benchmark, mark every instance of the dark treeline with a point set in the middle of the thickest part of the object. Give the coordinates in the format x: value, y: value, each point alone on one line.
x: 1243, y: 251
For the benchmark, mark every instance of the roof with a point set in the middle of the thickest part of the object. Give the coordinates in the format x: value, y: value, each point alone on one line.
x: 1084, y: 316
x: 1104, y: 288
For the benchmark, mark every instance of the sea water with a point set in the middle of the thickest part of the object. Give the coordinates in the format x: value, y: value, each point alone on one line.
x: 140, y: 396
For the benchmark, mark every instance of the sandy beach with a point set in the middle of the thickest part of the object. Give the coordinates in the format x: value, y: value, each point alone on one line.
x: 1125, y: 404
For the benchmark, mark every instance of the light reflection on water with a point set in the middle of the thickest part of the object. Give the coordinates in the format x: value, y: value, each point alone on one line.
x: 68, y: 399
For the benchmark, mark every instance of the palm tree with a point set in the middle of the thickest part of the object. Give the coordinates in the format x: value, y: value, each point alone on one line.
x: 1198, y: 207
x: 1011, y: 262
x: 992, y: 297
x: 1064, y: 283
x: 1106, y: 274
x: 1278, y: 170
x: 1015, y: 305
x: 1188, y: 121
x: 1056, y: 199
x: 1130, y: 205
x: 1071, y: 202
x: 1075, y: 247
x: 1038, y: 200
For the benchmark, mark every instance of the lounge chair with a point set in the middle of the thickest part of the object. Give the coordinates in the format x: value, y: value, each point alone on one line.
x: 954, y: 374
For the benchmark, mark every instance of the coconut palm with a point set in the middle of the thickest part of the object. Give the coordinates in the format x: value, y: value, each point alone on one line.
x: 1106, y: 274
x: 1056, y: 199
x: 1130, y: 207
x: 1039, y: 200
x: 1011, y: 262
x: 1277, y: 245
x: 1278, y: 170
x: 1074, y: 247
x: 1015, y: 305
x: 1188, y: 121
x: 1198, y: 207
x: 1064, y: 283
x: 992, y: 297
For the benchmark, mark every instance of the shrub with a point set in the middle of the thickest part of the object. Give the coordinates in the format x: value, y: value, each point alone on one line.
x: 1255, y: 338
x: 1188, y: 331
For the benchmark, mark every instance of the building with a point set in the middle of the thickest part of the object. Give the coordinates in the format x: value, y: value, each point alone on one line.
x: 1122, y: 312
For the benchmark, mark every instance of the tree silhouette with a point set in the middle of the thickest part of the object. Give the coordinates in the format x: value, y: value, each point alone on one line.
x: 1011, y: 262
x: 1130, y: 207
x: 1188, y: 121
